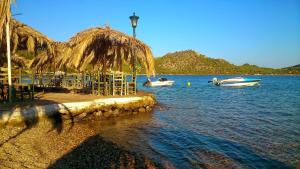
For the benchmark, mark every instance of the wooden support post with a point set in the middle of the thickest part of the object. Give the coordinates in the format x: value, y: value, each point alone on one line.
x: 104, y: 80
x: 8, y: 61
x: 83, y: 80
x: 93, y: 87
x: 33, y: 79
x: 20, y: 75
x: 98, y: 82
x: 40, y: 78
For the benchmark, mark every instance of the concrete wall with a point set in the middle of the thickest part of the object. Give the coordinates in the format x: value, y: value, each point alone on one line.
x: 100, y: 108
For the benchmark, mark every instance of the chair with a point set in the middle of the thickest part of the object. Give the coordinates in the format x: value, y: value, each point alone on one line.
x: 131, y: 86
x: 3, y: 75
x: 3, y: 92
x: 24, y: 86
x: 118, y: 84
x: 99, y: 87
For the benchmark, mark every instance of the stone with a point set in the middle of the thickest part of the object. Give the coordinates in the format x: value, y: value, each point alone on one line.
x: 148, y: 108
x: 142, y: 110
x: 82, y: 115
x: 107, y: 114
x: 98, y: 113
x: 106, y: 109
x: 116, y: 112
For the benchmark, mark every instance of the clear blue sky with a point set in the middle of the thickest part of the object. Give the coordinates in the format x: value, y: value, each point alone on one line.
x: 261, y: 32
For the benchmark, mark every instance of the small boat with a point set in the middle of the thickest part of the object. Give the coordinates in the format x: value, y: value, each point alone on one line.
x: 236, y: 82
x: 159, y: 82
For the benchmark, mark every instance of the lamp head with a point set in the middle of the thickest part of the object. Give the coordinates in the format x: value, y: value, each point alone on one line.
x: 134, y: 19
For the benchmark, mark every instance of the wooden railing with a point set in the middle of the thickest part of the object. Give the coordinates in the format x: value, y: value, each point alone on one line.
x: 96, y: 83
x: 22, y: 85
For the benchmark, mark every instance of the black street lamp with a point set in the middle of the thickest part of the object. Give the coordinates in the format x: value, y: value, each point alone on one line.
x: 134, y: 19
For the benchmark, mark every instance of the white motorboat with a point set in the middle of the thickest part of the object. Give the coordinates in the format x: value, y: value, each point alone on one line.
x: 236, y: 82
x: 159, y: 82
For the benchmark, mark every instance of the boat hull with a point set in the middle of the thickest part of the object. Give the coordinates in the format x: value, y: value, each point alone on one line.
x: 241, y: 84
x: 236, y: 82
x: 158, y: 83
x: 239, y: 80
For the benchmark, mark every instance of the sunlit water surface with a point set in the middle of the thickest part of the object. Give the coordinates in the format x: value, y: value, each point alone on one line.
x: 208, y: 126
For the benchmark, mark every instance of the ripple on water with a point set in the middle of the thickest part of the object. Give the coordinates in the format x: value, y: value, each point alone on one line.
x: 205, y: 126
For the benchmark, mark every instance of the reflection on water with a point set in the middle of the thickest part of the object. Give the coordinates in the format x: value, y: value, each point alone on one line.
x: 205, y: 126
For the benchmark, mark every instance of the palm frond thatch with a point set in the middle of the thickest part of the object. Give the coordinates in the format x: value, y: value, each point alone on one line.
x: 44, y: 61
x: 4, y: 15
x: 19, y: 61
x: 16, y: 60
x: 24, y: 36
x: 104, y: 47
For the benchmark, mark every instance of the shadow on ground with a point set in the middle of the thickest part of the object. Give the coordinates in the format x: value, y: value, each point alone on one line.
x: 29, y: 115
x: 96, y: 152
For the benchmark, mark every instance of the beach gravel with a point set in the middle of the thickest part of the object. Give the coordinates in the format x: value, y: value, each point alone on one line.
x: 49, y: 144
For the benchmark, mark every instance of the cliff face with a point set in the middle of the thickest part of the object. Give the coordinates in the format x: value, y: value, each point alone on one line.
x: 191, y: 62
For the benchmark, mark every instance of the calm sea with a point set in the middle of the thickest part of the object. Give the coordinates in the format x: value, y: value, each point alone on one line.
x: 204, y: 126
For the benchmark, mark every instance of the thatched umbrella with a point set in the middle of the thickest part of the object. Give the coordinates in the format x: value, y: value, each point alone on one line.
x: 105, y: 48
x: 4, y: 15
x: 24, y: 36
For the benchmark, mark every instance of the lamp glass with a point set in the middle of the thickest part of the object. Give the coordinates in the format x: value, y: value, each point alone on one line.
x: 134, y: 20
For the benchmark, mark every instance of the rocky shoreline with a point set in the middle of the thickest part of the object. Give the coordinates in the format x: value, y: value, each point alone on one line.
x: 67, y: 145
x: 58, y: 138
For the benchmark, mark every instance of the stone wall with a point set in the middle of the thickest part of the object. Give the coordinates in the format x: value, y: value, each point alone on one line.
x: 100, y: 108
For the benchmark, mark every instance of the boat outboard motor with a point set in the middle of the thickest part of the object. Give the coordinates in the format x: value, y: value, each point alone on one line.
x: 147, y: 83
x: 216, y: 81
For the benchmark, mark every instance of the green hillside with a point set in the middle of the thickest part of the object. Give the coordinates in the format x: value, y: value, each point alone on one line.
x: 291, y: 70
x: 191, y: 62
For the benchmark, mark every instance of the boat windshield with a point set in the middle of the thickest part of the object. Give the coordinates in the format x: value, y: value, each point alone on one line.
x: 162, y: 79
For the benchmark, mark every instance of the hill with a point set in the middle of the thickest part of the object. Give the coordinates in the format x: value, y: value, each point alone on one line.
x: 290, y: 70
x: 191, y: 62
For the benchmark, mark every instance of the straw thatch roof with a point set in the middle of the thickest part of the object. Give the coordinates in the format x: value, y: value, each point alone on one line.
x: 21, y: 35
x: 19, y: 61
x: 25, y: 37
x: 45, y: 61
x: 96, y: 47
x: 106, y: 48
x: 16, y: 60
x: 4, y: 15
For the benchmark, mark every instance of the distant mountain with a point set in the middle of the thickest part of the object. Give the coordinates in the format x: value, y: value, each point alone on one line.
x: 191, y: 62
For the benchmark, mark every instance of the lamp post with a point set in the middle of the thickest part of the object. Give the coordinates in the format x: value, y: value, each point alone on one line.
x: 134, y: 19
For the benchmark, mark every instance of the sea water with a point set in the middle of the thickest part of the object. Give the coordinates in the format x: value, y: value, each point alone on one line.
x: 202, y: 125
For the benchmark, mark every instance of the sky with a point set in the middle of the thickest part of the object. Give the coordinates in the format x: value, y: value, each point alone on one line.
x: 261, y: 32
